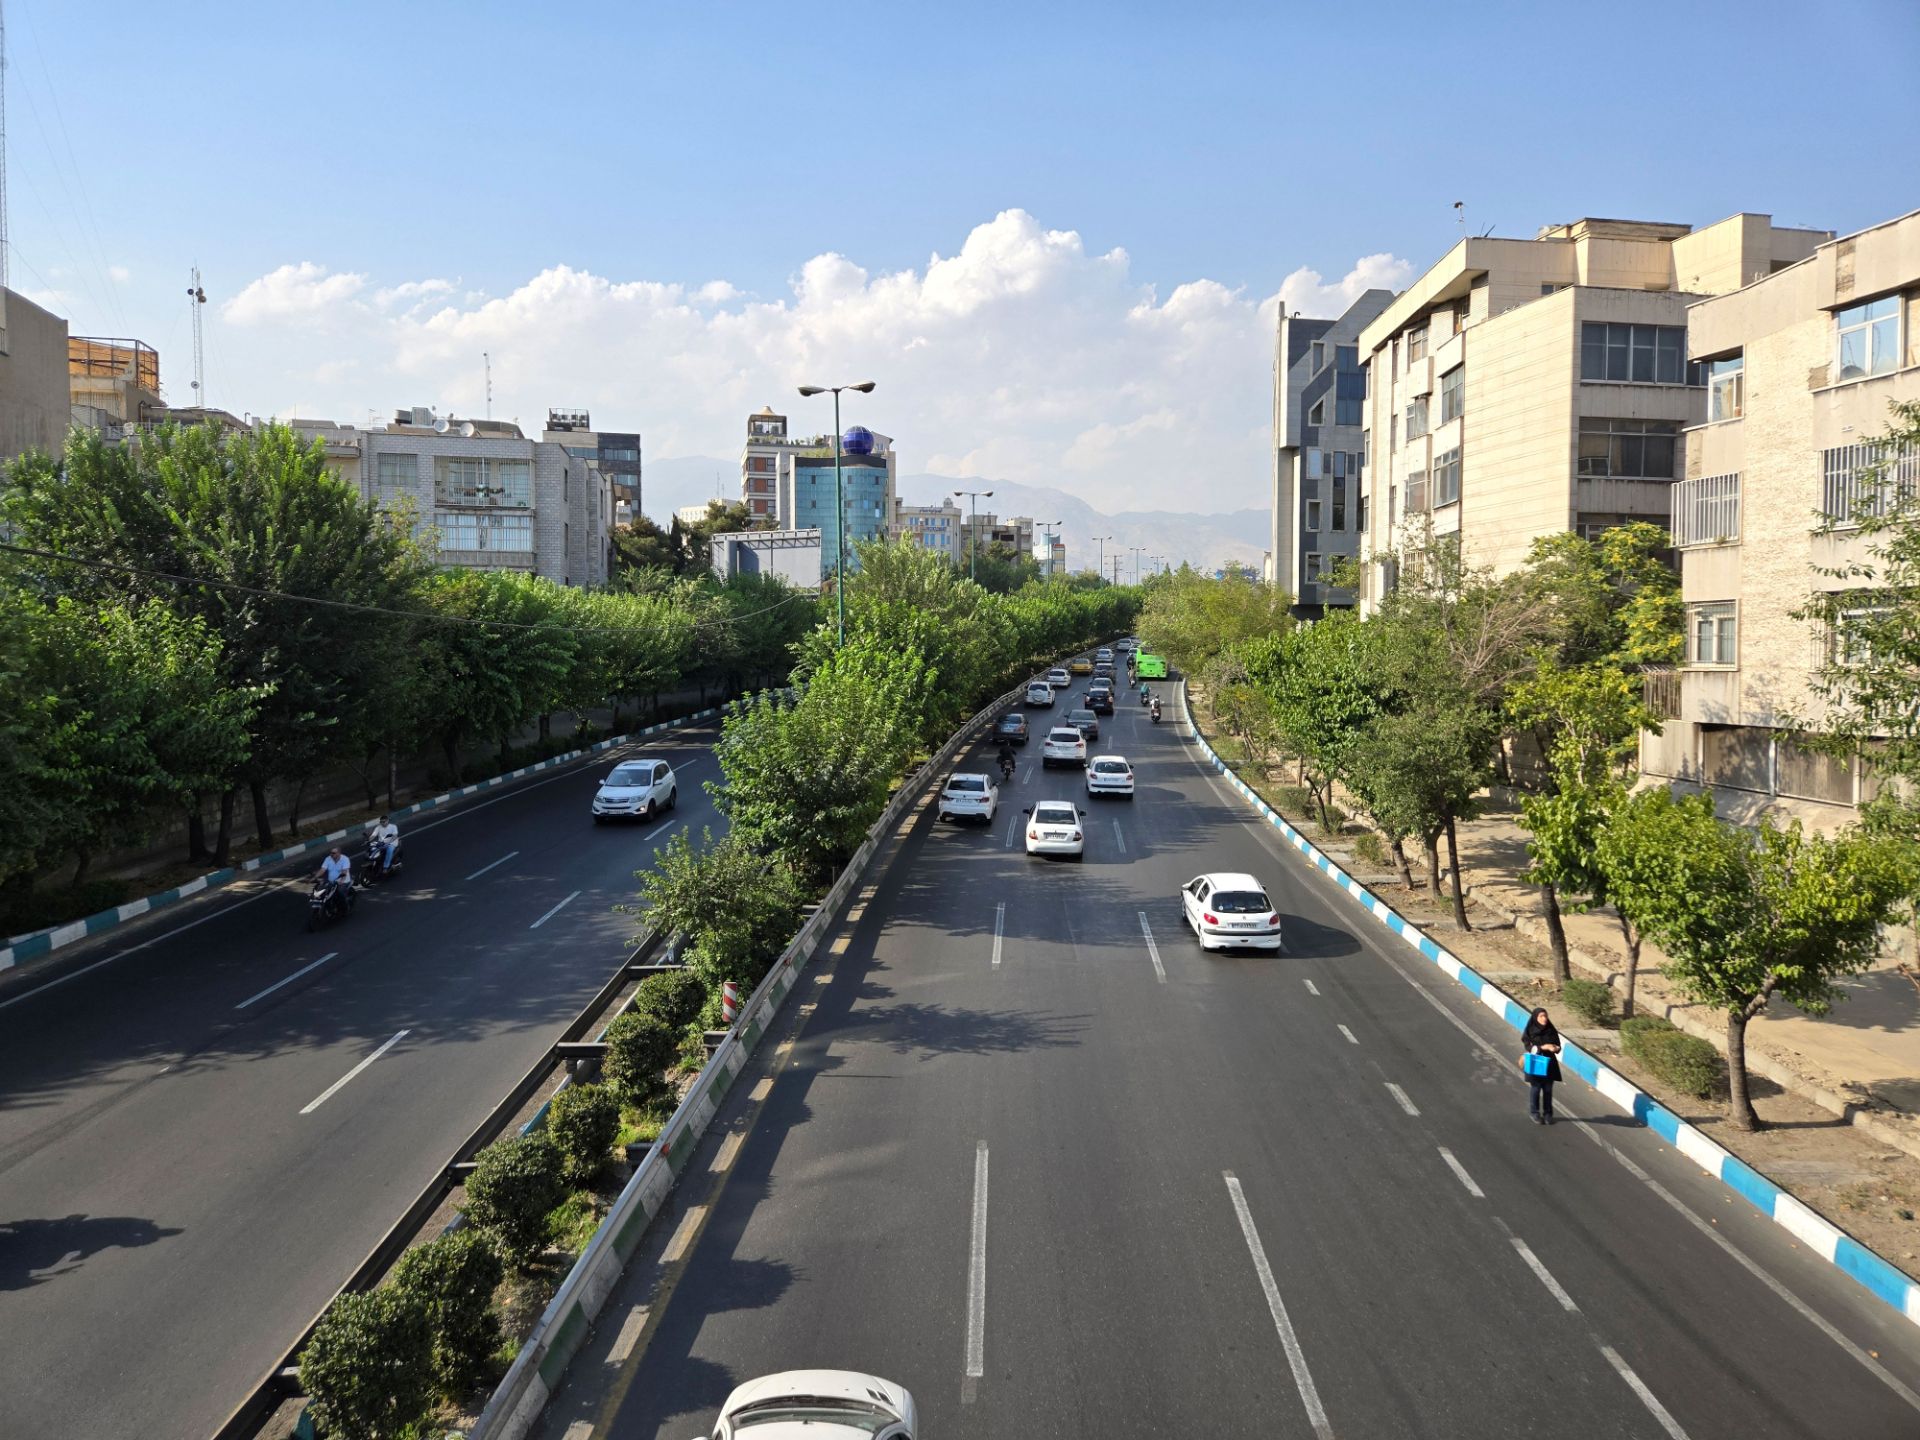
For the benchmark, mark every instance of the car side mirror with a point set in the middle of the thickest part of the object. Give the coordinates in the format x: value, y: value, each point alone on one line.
x: 1027, y: 811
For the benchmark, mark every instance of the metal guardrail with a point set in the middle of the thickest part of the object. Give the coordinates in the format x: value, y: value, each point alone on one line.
x: 282, y: 1382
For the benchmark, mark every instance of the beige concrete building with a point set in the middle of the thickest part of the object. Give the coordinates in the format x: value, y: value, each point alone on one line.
x: 34, y: 408
x: 1521, y: 388
x: 1800, y: 368
x: 931, y: 527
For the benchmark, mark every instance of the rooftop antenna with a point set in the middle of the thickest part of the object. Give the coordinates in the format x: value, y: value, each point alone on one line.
x: 1460, y: 214
x: 3, y: 145
x: 196, y: 297
x: 489, y: 363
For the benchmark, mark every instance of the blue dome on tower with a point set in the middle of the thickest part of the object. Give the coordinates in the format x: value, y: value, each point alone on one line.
x: 857, y: 441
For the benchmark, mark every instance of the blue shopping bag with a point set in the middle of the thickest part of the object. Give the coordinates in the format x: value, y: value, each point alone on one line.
x: 1537, y: 1065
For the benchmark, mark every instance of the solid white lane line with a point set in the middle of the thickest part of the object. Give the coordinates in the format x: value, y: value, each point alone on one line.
x: 501, y: 861
x: 340, y: 1084
x: 1153, y: 950
x: 1289, y: 1341
x: 660, y: 831
x: 1546, y: 1276
x: 1401, y: 1095
x: 1460, y: 1174
x: 1639, y: 1387
x: 1118, y: 838
x: 977, y: 1270
x: 1013, y: 826
x: 1312, y: 989
x: 1351, y: 1038
x: 999, y: 929
x: 555, y: 911
x: 288, y: 981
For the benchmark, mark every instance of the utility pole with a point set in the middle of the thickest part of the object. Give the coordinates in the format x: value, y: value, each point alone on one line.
x: 973, y: 530
x: 487, y: 359
x: 839, y: 506
x: 1101, y: 568
x: 197, y: 297
x: 3, y: 144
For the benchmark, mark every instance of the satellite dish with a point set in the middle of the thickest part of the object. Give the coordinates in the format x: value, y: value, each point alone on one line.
x: 442, y: 426
x: 466, y: 429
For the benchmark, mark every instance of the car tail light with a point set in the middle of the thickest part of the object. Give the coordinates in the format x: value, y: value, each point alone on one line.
x: 1207, y: 918
x: 1273, y: 920
x: 1033, y: 834
x: 1076, y: 835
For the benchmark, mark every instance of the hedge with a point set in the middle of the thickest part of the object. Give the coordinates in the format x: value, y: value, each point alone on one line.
x: 453, y: 1276
x: 639, y: 1050
x: 1588, y: 999
x: 516, y: 1182
x: 674, y: 998
x: 583, y: 1121
x: 369, y: 1368
x: 1687, y: 1063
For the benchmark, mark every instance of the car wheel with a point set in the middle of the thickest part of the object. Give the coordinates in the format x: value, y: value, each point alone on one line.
x: 647, y: 814
x: 599, y: 819
x: 673, y: 798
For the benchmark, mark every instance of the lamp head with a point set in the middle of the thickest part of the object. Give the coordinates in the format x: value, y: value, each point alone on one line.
x: 865, y: 387
x: 813, y: 390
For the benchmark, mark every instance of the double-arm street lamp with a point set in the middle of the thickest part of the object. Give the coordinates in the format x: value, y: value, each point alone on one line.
x: 1101, y: 568
x: 865, y: 387
x: 973, y: 529
x: 1047, y: 529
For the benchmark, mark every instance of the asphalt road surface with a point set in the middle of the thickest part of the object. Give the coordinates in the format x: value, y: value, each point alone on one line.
x: 200, y: 1139
x: 1036, y: 1157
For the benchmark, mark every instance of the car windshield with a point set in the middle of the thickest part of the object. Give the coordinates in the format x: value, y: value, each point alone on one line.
x: 1110, y: 767
x: 631, y: 775
x: 1080, y: 714
x: 808, y: 1409
x: 1239, y: 902
x: 975, y: 784
x: 1055, y: 815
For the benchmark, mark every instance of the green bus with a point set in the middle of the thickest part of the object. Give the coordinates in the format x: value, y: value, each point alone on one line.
x: 1147, y: 666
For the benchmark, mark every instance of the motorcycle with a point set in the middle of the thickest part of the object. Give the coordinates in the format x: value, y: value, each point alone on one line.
x: 1006, y: 763
x: 1156, y: 712
x: 327, y: 902
x: 376, y: 867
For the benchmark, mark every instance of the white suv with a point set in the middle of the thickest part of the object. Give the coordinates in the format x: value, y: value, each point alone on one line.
x: 1110, y: 775
x: 1040, y: 694
x: 636, y: 788
x: 968, y: 796
x: 1064, y: 745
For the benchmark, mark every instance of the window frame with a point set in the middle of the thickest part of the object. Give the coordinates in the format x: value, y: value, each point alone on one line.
x: 1726, y: 374
x: 1416, y: 346
x: 1724, y: 616
x: 1610, y: 351
x: 1445, y: 466
x: 1312, y: 521
x: 1453, y: 394
x: 1866, y: 327
x: 1417, y: 411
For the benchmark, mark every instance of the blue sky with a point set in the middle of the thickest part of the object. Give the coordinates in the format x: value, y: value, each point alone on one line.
x: 478, y: 146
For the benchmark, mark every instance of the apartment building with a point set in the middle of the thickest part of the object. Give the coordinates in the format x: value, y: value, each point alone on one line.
x: 1050, y: 553
x: 1799, y: 366
x: 490, y: 498
x: 865, y: 489
x: 615, y: 452
x: 771, y: 462
x: 1319, y: 403
x: 932, y: 527
x: 989, y: 532
x: 1521, y: 388
x: 34, y: 405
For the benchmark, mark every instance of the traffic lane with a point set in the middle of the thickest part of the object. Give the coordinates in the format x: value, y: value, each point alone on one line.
x: 281, y: 1203
x: 1581, y: 1198
x: 67, y: 1050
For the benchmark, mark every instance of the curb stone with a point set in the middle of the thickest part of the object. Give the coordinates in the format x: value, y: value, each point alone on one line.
x: 1878, y: 1276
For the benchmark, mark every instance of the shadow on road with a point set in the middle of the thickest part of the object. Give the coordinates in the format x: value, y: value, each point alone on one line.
x: 33, y: 1252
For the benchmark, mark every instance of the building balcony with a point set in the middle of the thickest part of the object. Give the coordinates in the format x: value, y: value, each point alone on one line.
x: 1706, y: 511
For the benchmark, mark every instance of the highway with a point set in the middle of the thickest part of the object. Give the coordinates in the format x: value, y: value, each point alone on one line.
x: 212, y: 1118
x: 1037, y: 1158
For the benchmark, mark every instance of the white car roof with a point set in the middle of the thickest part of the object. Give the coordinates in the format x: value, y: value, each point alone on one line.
x: 1234, y: 880
x: 1098, y: 758
x: 966, y: 775
x: 1065, y: 732
x: 827, y: 1384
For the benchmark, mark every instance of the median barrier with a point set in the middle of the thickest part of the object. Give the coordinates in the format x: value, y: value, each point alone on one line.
x: 38, y: 944
x: 1882, y: 1279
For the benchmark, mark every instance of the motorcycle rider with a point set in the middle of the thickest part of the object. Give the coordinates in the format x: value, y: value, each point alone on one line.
x: 1156, y: 711
x: 337, y: 871
x: 387, y: 836
x: 1006, y: 762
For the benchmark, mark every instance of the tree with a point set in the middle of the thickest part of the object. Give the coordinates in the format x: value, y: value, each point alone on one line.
x: 369, y: 1366
x: 1746, y: 913
x: 503, y: 655
x: 1614, y: 599
x: 1324, y: 684
x: 643, y: 546
x: 735, y: 909
x: 1191, y: 618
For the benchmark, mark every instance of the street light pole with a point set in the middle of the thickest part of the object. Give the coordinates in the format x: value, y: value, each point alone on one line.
x: 973, y: 530
x: 865, y: 387
x: 1101, y: 568
x: 1047, y: 532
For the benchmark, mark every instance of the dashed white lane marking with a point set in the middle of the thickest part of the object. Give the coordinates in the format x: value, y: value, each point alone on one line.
x: 340, y: 1084
x: 1312, y: 989
x: 683, y: 1234
x: 977, y: 1279
x: 493, y: 865
x: 580, y: 1429
x: 1639, y: 1387
x: 1460, y: 1174
x: 730, y: 1147
x: 999, y: 929
x: 1119, y: 838
x: 1289, y: 1341
x: 1351, y: 1038
x: 660, y: 830
x: 1401, y: 1095
x: 623, y: 1343
x: 288, y: 981
x: 1153, y: 950
x: 554, y: 911
x: 1013, y: 828
x: 1554, y: 1287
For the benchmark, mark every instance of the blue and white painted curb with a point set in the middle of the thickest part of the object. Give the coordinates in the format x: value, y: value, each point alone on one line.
x: 1882, y: 1279
x: 42, y: 943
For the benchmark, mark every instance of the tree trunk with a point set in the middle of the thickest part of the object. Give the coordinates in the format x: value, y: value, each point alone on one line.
x: 393, y: 772
x: 1459, y: 891
x: 1400, y: 860
x: 293, y: 812
x: 1557, y: 937
x: 1502, y: 765
x: 81, y: 866
x: 546, y: 727
x: 506, y: 744
x: 223, y: 844
x: 1320, y: 794
x: 1432, y: 843
x: 1741, y: 1105
x: 1632, y: 937
x: 197, y: 831
x: 262, y: 825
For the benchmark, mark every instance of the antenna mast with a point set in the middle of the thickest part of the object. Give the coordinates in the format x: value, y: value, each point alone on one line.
x: 196, y: 297
x: 488, y: 358
x: 3, y: 145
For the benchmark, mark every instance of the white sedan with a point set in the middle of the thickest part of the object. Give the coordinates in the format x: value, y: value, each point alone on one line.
x: 969, y: 797
x: 1110, y: 775
x: 1230, y: 911
x: 818, y: 1404
x: 1064, y: 745
x: 636, y: 789
x: 1053, y: 828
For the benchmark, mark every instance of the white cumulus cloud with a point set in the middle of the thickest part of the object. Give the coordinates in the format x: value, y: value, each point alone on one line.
x: 293, y: 292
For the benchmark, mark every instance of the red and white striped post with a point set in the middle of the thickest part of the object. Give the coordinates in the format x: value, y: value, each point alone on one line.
x: 729, y: 1002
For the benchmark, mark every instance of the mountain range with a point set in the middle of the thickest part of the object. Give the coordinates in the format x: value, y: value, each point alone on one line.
x: 1207, y: 541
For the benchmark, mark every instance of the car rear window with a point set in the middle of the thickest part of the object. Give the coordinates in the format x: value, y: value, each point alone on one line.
x: 972, y: 783
x: 1238, y: 902
x: 1055, y: 815
x: 1065, y: 737
x: 631, y: 775
x: 1080, y: 715
x: 1110, y: 767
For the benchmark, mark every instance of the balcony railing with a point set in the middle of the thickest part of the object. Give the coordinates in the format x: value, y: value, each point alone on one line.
x: 1706, y: 511
x: 1865, y: 481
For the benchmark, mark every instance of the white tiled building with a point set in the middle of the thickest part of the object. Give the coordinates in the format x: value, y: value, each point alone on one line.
x: 932, y: 527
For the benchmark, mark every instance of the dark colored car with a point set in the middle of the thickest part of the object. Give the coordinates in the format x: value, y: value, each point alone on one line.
x: 1087, y: 722
x: 1100, y: 702
x: 1011, y: 729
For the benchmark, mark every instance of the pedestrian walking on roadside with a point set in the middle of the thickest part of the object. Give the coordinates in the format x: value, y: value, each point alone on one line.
x: 1541, y: 1046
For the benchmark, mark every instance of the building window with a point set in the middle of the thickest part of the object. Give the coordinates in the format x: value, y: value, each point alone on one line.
x: 1311, y: 569
x: 1850, y: 641
x: 1453, y: 394
x: 1417, y: 418
x: 1313, y: 516
x: 1417, y: 492
x: 1360, y: 512
x: 1706, y: 511
x: 1316, y: 463
x: 1726, y: 387
x: 1858, y: 481
x: 1393, y: 432
x: 1347, y: 357
x: 1395, y: 368
x: 1349, y: 397
x: 1340, y: 505
x: 1627, y: 449
x: 1319, y: 356
x: 760, y: 464
x: 1416, y: 346
x: 481, y: 480
x: 1713, y: 633
x: 1645, y: 354
x: 394, y: 472
x: 1446, y: 478
x: 470, y: 531
x: 1869, y: 338
x: 619, y: 454
x: 1318, y: 414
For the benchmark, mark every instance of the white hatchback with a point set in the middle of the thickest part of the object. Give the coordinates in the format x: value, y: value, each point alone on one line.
x: 819, y: 1404
x: 969, y: 797
x: 1110, y: 775
x: 1053, y: 828
x: 1059, y: 677
x: 636, y: 789
x: 1064, y: 745
x: 1230, y: 911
